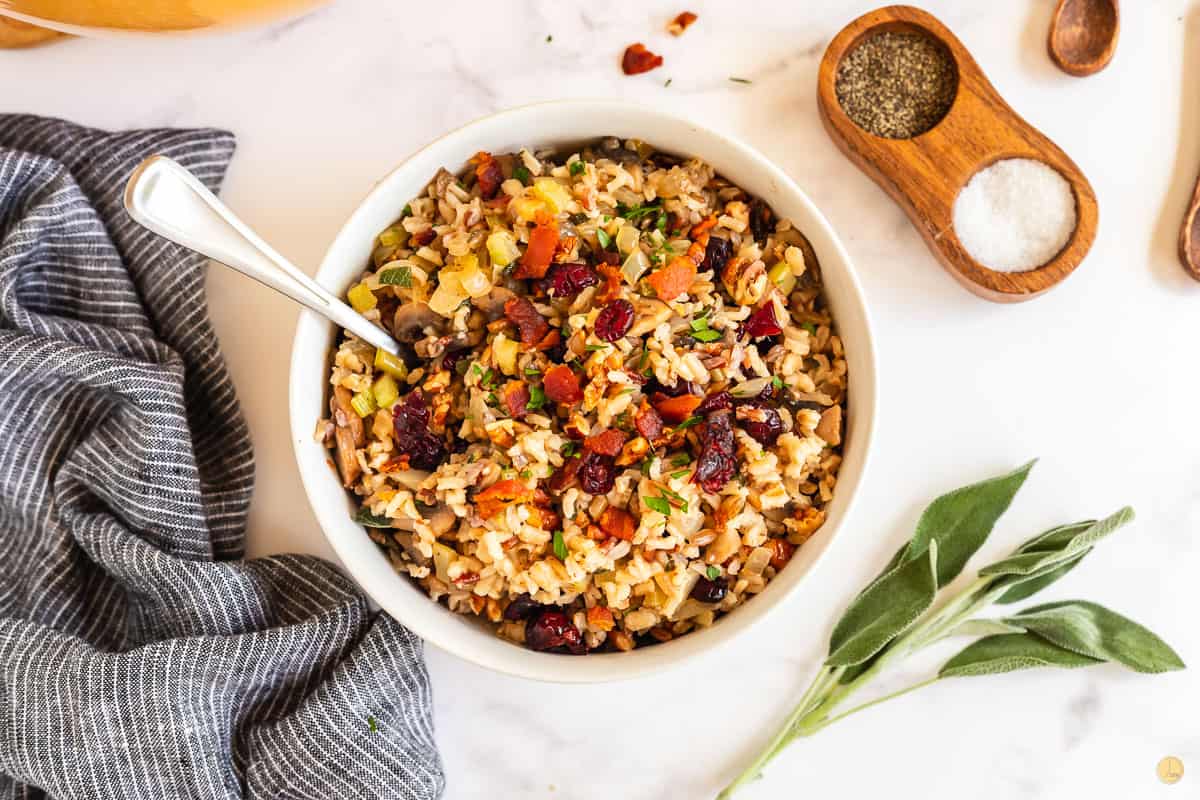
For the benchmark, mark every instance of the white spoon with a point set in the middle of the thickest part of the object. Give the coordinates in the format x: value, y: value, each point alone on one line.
x: 163, y: 196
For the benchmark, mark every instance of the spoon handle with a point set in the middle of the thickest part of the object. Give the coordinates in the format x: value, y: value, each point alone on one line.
x: 164, y: 197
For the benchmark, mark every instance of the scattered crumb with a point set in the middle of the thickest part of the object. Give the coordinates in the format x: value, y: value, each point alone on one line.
x: 638, y: 59
x: 681, y: 23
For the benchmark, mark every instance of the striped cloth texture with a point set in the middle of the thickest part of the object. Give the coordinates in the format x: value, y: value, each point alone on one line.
x: 140, y: 656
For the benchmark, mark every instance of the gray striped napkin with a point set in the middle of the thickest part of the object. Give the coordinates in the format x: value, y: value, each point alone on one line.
x: 140, y: 657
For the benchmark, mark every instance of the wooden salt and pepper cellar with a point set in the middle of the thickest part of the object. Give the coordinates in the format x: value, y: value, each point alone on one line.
x: 925, y: 173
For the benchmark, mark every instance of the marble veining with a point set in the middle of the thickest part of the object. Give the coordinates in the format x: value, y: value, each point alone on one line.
x: 1097, y: 378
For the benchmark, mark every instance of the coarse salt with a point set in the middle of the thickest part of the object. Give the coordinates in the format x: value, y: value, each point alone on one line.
x: 1015, y: 215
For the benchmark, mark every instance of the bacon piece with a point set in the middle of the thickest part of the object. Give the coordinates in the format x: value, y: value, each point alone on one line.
x: 617, y: 523
x: 497, y: 497
x: 674, y: 279
x: 607, y: 443
x: 649, y: 423
x: 487, y: 173
x: 781, y: 552
x: 529, y: 322
x: 612, y: 283
x: 638, y: 59
x: 516, y: 398
x: 600, y: 618
x: 561, y: 385
x: 543, y: 241
x: 549, y: 341
x: 677, y: 409
x: 681, y: 23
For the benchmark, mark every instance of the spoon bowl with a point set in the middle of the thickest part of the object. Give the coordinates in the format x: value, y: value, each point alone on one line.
x: 1083, y: 35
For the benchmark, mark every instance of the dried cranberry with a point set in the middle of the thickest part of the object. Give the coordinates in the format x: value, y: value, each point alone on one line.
x: 709, y: 591
x: 488, y: 174
x: 597, y: 473
x: 718, y: 459
x: 615, y: 320
x: 678, y: 388
x: 568, y: 280
x: 452, y: 357
x: 763, y: 323
x: 522, y: 607
x: 410, y: 419
x: 716, y: 254
x: 649, y: 423
x: 762, y: 220
x: 554, y: 632
x: 766, y: 431
x: 715, y: 402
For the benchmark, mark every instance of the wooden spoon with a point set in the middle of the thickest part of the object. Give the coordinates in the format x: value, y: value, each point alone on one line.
x: 1189, y: 236
x: 1083, y: 35
x: 15, y: 33
x: 925, y: 173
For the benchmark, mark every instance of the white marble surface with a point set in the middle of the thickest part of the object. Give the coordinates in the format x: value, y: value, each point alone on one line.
x: 1098, y: 378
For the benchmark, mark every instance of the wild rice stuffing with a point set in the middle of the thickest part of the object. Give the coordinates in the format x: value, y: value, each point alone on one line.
x: 618, y: 409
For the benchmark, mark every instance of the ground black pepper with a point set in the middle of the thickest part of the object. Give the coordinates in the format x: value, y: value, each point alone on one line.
x: 896, y: 85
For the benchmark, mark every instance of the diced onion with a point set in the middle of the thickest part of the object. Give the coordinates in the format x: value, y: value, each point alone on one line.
x: 627, y: 239
x: 751, y: 388
x: 634, y: 266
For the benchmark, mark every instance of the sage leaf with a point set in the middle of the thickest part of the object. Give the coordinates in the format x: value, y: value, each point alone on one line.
x: 1058, y: 545
x: 1095, y: 631
x: 961, y: 521
x: 1027, y: 587
x: 366, y: 518
x: 885, y: 610
x: 985, y: 627
x: 1010, y: 652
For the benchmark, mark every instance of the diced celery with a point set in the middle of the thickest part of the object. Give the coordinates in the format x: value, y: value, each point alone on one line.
x: 627, y: 239
x: 385, y: 390
x: 363, y: 404
x: 781, y: 275
x: 391, y: 365
x: 443, y: 557
x: 502, y: 247
x: 394, y: 236
x: 361, y: 297
x: 553, y: 193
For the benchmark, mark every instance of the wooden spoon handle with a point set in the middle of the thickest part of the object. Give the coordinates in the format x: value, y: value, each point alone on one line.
x: 1189, y: 235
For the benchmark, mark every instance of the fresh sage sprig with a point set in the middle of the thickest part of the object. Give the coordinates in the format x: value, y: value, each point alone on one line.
x: 898, y: 613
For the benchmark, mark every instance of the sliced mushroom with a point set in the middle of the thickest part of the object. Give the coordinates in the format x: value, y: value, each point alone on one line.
x: 347, y: 458
x: 492, y: 303
x: 344, y: 415
x: 405, y: 540
x: 411, y: 320
x: 441, y: 520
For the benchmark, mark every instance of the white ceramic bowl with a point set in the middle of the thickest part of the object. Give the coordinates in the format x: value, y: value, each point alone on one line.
x: 561, y: 124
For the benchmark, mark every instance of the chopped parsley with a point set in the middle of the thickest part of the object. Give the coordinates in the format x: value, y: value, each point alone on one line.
x: 577, y: 167
x: 658, y: 504
x: 681, y: 459
x: 591, y: 348
x: 676, y: 499
x: 532, y: 372
x: 740, y: 80
x: 406, y: 212
x: 521, y: 173
x: 400, y: 276
x: 477, y: 369
x: 634, y: 213
x: 569, y: 449
x: 489, y: 378
x: 713, y: 573
x: 372, y: 725
x: 643, y: 358
x: 668, y: 83
x: 777, y: 381
x: 689, y: 422
x: 630, y: 390
x: 492, y: 400
x: 701, y: 332
x: 537, y: 398
x: 560, y: 547
x: 647, y: 463
x: 677, y: 475
x: 808, y: 326
x: 525, y: 474
x: 603, y: 238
